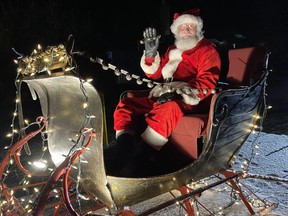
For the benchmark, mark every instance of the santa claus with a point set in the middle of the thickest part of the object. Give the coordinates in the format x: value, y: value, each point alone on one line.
x: 191, y: 64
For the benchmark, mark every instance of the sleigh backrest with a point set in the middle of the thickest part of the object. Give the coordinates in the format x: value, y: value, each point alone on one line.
x: 246, y: 65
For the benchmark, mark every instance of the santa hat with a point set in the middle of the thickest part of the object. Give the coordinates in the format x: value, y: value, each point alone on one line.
x: 190, y: 16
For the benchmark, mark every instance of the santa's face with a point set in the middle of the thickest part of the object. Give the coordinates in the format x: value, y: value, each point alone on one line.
x: 186, y: 37
x: 186, y: 30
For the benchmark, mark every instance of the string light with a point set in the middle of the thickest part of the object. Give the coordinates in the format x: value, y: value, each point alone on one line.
x: 51, y: 59
x: 85, y: 105
x: 40, y: 164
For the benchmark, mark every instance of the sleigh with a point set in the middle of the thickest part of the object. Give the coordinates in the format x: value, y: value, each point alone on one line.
x: 73, y: 117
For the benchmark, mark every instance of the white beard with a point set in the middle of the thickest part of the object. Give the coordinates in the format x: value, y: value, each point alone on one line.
x: 186, y: 43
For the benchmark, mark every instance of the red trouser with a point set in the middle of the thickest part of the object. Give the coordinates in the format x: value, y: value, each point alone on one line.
x: 162, y: 118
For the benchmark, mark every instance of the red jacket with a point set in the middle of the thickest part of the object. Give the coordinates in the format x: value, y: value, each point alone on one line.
x: 199, y: 66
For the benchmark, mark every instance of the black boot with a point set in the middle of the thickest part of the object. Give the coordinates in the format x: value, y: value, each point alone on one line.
x: 171, y: 159
x: 116, y: 155
x: 142, y: 162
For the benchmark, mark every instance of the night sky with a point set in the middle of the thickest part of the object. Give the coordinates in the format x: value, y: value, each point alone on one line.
x: 107, y: 25
x: 117, y: 26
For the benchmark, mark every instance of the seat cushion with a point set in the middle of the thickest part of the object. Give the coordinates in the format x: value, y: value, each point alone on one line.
x: 187, y: 132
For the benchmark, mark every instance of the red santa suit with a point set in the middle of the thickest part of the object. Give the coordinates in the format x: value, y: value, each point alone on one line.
x: 197, y: 68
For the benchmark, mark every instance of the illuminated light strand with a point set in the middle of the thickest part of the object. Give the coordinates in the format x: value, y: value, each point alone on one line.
x: 44, y: 61
x: 255, y: 130
x: 11, y: 161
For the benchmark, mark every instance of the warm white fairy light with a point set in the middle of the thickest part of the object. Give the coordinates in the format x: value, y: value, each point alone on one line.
x: 74, y: 167
x: 40, y: 164
x: 89, y: 80
x: 48, y: 71
x: 19, y: 70
x: 11, y: 161
x: 61, y: 58
x: 71, y: 140
x: 85, y: 105
x: 69, y: 68
x: 9, y: 135
x: 12, y: 192
x: 46, y: 59
x: 83, y: 161
x: 256, y: 126
x: 256, y: 146
x: 256, y: 116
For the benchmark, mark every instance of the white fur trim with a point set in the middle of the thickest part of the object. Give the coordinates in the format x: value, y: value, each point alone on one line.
x: 153, y: 138
x: 175, y: 57
x: 191, y: 97
x: 187, y: 18
x: 123, y: 131
x: 152, y: 68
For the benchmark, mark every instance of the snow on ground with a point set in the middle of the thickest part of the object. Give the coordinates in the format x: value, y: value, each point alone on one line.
x: 267, y: 156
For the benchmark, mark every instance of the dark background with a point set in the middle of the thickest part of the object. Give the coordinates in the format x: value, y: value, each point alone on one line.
x: 112, y: 30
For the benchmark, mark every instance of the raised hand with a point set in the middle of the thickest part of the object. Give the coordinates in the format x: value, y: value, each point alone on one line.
x: 151, y: 41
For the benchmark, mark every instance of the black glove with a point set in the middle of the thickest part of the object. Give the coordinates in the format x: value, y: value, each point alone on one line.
x: 151, y: 41
x: 168, y: 96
